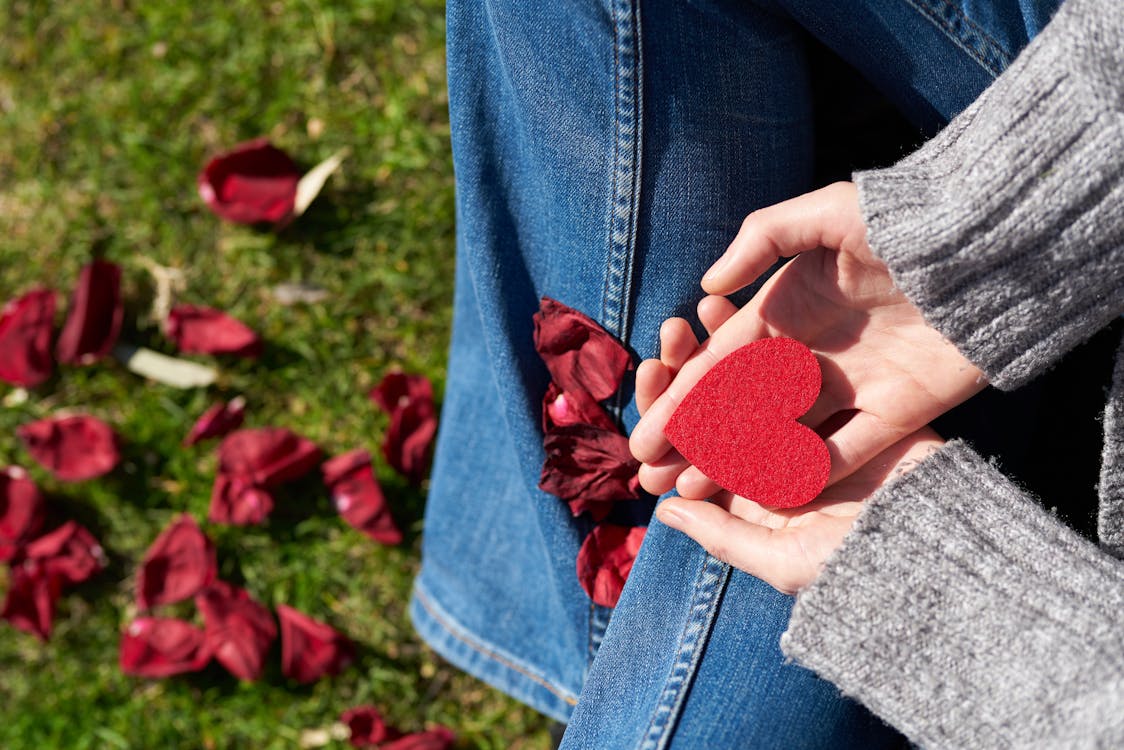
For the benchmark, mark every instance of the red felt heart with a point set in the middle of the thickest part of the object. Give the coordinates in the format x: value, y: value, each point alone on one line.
x: 738, y: 424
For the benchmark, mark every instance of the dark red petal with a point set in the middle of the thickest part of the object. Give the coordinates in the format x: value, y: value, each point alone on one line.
x: 94, y: 319
x: 21, y: 511
x: 267, y: 456
x: 588, y: 464
x: 237, y: 502
x: 605, y: 560
x: 366, y: 725
x: 578, y: 352
x: 311, y: 649
x: 238, y: 629
x: 70, y: 553
x: 217, y: 421
x: 26, y: 324
x: 562, y: 409
x: 253, y: 182
x: 161, y: 647
x: 72, y: 448
x: 438, y: 738
x: 357, y: 496
x: 409, y: 438
x: 397, y: 390
x: 30, y: 603
x: 205, y: 330
x: 178, y: 565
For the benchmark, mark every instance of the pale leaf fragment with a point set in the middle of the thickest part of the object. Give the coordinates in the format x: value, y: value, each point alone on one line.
x: 313, y: 182
x: 178, y: 373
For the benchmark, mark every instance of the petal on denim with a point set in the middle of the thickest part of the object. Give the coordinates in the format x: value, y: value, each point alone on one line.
x: 70, y: 553
x: 578, y: 352
x: 30, y: 602
x: 562, y: 409
x: 180, y: 563
x: 589, y: 464
x: 311, y: 649
x: 267, y: 456
x: 358, y: 497
x: 438, y: 738
x: 72, y: 448
x: 238, y: 629
x: 219, y: 420
x: 366, y: 725
x: 162, y: 647
x: 94, y: 319
x: 605, y: 560
x: 21, y: 511
x: 26, y: 324
x: 251, y: 183
x: 205, y: 330
x: 238, y: 502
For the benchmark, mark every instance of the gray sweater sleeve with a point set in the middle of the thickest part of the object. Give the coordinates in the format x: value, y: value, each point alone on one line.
x: 967, y: 616
x: 1007, y: 229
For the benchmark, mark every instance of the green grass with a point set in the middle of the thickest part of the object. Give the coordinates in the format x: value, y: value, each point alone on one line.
x: 107, y: 112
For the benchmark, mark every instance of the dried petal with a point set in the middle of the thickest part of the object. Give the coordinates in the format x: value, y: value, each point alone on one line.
x: 21, y: 511
x: 94, y: 320
x: 408, y: 399
x: 180, y: 563
x: 578, y: 352
x: 253, y: 182
x: 70, y: 553
x: 366, y: 725
x: 357, y: 496
x: 588, y: 464
x: 311, y: 649
x: 161, y: 647
x: 267, y: 456
x: 237, y: 502
x: 205, y: 330
x: 217, y: 421
x: 72, y: 448
x: 438, y: 738
x: 397, y: 390
x: 605, y: 560
x: 238, y: 629
x: 562, y: 409
x: 30, y: 603
x: 26, y: 324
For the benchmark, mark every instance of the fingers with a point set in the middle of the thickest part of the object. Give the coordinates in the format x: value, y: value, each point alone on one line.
x: 693, y: 484
x: 659, y: 477
x: 825, y: 217
x: 652, y: 379
x: 713, y: 311
x: 677, y: 343
x: 858, y: 441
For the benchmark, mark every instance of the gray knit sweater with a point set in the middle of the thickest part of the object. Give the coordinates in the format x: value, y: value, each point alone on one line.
x: 958, y: 609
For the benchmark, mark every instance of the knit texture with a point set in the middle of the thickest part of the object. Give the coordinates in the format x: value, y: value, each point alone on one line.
x: 967, y: 616
x: 1110, y: 520
x: 1007, y: 229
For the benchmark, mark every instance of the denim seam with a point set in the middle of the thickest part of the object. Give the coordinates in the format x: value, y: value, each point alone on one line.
x: 979, y: 45
x: 704, y: 601
x: 451, y: 627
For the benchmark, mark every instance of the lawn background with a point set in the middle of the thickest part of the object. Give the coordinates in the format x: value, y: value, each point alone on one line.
x: 107, y: 112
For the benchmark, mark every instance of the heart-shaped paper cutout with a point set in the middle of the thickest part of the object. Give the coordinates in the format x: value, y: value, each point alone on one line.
x: 738, y: 424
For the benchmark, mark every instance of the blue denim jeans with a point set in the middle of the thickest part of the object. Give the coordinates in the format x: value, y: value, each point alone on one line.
x: 606, y: 152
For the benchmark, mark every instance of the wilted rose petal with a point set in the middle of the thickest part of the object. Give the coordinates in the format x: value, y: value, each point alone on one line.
x: 358, y: 497
x: 438, y: 738
x: 253, y: 182
x: 70, y: 553
x: 397, y: 389
x: 30, y: 603
x: 605, y: 560
x: 26, y: 324
x: 578, y: 352
x: 217, y: 421
x: 237, y: 502
x: 205, y: 330
x: 366, y: 725
x: 94, y: 319
x: 267, y: 456
x: 21, y: 511
x: 161, y: 647
x: 72, y: 448
x: 180, y: 563
x: 408, y: 399
x: 587, y: 464
x: 562, y: 409
x: 311, y: 649
x: 238, y: 629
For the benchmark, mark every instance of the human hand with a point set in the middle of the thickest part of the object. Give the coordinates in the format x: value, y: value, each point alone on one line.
x: 886, y: 373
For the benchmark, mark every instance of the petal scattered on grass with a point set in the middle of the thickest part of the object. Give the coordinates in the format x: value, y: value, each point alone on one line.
x: 30, y: 602
x: 72, y: 448
x: 180, y: 563
x: 254, y: 182
x: 438, y: 738
x: 356, y: 493
x: 21, y: 511
x: 69, y: 554
x: 238, y: 502
x: 366, y: 725
x: 162, y: 647
x: 26, y: 324
x: 267, y: 456
x: 217, y: 421
x: 94, y: 319
x: 578, y: 352
x: 238, y: 629
x: 408, y: 399
x: 205, y: 330
x: 311, y: 649
x: 605, y: 560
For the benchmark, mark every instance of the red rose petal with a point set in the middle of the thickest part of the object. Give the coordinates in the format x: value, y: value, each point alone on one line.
x: 562, y: 409
x: 311, y: 649
x: 438, y: 738
x: 70, y: 553
x: 586, y: 464
x: 237, y: 502
x: 161, y: 647
x: 605, y: 560
x: 408, y: 399
x: 205, y: 330
x: 366, y: 725
x: 253, y: 182
x: 217, y: 421
x: 180, y: 563
x: 72, y: 448
x: 357, y: 496
x: 94, y: 320
x: 30, y: 603
x: 238, y: 629
x: 26, y: 325
x: 21, y: 511
x: 578, y: 352
x: 267, y: 456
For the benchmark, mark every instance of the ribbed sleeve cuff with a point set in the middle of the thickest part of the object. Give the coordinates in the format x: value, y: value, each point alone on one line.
x: 1007, y: 229
x: 967, y: 616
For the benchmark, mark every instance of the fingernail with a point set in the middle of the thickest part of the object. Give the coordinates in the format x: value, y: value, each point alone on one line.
x: 717, y: 267
x: 671, y: 516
